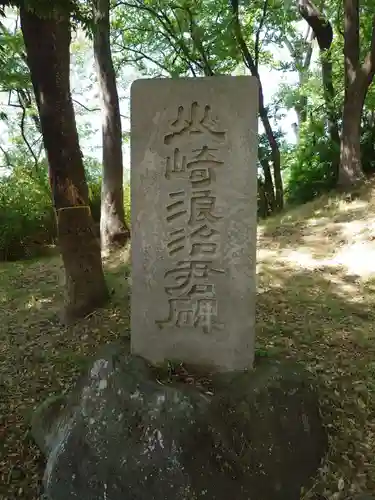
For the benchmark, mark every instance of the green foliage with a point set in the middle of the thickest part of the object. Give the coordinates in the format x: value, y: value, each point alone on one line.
x: 26, y: 213
x: 95, y: 186
x: 93, y: 170
x: 309, y: 166
x: 14, y: 73
x: 196, y: 38
x: 27, y: 218
x: 183, y: 39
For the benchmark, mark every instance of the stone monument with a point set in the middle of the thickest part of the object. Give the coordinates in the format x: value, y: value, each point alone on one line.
x: 194, y: 215
x: 131, y: 430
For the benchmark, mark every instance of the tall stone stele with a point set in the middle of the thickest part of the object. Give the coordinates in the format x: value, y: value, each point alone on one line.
x: 194, y: 214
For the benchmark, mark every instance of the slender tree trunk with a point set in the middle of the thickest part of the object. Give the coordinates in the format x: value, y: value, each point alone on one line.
x: 263, y: 208
x: 47, y: 43
x: 268, y: 185
x: 302, y: 62
x: 301, y: 105
x: 332, y: 116
x: 275, y: 151
x: 113, y: 229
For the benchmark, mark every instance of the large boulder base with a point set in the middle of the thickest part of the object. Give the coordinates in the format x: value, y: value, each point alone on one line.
x: 125, y: 434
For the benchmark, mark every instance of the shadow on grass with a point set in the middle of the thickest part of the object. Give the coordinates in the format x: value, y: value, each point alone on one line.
x: 35, y: 288
x: 326, y: 320
x: 39, y: 357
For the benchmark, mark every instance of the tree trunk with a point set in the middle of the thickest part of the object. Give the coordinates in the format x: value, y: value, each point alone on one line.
x: 302, y: 62
x: 263, y: 208
x: 268, y: 185
x: 47, y: 43
x: 350, y: 172
x: 358, y: 78
x: 113, y: 229
x: 275, y: 151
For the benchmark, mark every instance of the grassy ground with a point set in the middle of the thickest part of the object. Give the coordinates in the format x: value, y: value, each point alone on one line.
x: 39, y: 358
x: 316, y: 297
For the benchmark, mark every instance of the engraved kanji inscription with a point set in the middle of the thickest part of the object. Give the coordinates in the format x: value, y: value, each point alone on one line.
x: 177, y: 240
x: 175, y: 165
x: 201, y: 177
x: 205, y: 157
x: 176, y: 208
x: 181, y: 313
x: 202, y: 240
x: 198, y: 165
x: 204, y: 248
x: 201, y: 166
x: 180, y: 280
x: 193, y: 313
x: 199, y: 122
x: 204, y: 231
x: 202, y: 206
x: 192, y: 298
x: 206, y: 315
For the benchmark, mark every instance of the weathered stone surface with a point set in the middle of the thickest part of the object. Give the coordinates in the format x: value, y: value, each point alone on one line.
x: 45, y: 421
x: 271, y: 422
x: 126, y: 435
x: 194, y: 211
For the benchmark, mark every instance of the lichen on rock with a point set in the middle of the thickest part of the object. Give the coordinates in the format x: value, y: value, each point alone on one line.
x: 257, y: 436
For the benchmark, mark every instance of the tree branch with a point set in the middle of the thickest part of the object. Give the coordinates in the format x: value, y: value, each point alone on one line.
x: 309, y: 50
x: 321, y: 27
x: 208, y: 71
x: 290, y: 47
x: 177, y: 44
x: 145, y: 56
x: 182, y: 46
x: 247, y: 57
x: 257, y: 35
x: 27, y: 102
x: 168, y: 31
x: 92, y: 110
x: 7, y: 157
x: 22, y: 127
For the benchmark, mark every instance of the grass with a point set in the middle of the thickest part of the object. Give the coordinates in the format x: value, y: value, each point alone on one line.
x: 316, y: 298
x: 39, y: 358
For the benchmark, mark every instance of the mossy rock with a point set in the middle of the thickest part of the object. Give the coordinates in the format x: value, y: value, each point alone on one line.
x: 45, y: 419
x: 270, y: 419
x: 125, y: 435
